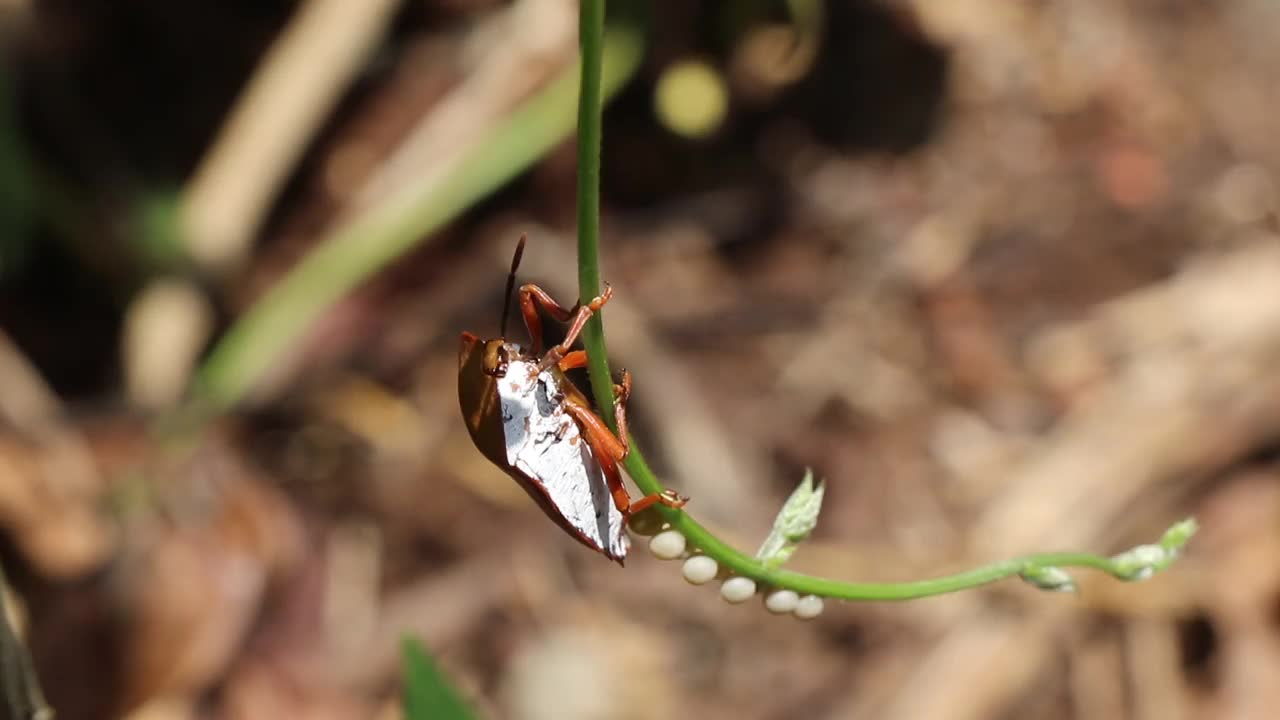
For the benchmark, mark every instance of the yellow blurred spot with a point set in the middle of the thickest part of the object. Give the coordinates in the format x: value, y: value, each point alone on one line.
x: 691, y: 99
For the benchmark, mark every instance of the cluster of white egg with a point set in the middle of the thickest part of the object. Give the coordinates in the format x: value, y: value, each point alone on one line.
x: 700, y: 569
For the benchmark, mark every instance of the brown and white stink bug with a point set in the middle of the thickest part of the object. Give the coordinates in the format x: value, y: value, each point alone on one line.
x: 531, y: 421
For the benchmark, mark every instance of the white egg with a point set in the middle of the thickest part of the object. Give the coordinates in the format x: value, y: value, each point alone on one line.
x: 738, y: 589
x: 808, y: 607
x: 667, y: 545
x: 781, y: 601
x: 700, y: 569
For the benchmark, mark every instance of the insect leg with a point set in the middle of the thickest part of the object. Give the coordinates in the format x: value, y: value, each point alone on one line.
x: 573, y: 360
x: 576, y: 359
x: 530, y: 296
x: 581, y: 315
x: 609, y: 449
x: 621, y: 394
x: 600, y: 437
x: 606, y: 447
x: 669, y: 498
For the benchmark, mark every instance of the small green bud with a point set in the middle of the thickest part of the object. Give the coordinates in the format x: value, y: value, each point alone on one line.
x: 1177, y: 536
x: 1048, y: 577
x: 796, y: 519
x: 1143, y: 561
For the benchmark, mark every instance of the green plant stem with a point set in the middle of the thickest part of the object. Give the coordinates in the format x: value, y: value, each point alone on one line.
x: 589, y: 137
x: 590, y: 32
x: 742, y: 564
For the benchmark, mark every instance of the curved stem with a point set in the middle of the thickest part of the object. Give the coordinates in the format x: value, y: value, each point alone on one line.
x: 704, y: 540
x: 1042, y: 570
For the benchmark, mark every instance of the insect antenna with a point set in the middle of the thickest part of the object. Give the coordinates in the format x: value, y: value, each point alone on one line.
x: 511, y: 284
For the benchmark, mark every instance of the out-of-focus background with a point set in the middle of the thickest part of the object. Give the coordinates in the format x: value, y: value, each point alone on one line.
x: 1007, y: 275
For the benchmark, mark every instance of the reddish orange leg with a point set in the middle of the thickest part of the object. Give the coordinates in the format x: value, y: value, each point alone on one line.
x: 611, y: 449
x: 576, y: 317
x: 621, y: 394
x: 573, y: 360
x: 530, y: 296
x: 667, y: 498
x: 621, y: 391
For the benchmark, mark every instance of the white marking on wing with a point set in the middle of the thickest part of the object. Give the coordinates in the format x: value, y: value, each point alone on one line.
x: 545, y: 443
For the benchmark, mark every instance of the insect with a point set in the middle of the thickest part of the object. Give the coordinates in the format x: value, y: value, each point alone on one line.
x: 531, y: 421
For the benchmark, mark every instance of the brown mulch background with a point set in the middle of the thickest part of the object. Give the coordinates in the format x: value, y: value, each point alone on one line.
x: 1006, y: 275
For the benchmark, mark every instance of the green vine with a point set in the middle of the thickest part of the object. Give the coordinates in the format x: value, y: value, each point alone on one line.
x: 1043, y: 570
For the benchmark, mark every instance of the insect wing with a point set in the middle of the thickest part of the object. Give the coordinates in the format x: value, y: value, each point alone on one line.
x: 546, y: 445
x: 477, y: 396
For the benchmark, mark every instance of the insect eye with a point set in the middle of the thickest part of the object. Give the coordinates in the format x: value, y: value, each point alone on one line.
x: 496, y: 359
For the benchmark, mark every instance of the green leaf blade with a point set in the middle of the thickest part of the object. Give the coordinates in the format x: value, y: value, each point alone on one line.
x: 428, y: 693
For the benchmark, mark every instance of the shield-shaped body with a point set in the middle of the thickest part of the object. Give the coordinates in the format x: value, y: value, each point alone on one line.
x: 531, y: 421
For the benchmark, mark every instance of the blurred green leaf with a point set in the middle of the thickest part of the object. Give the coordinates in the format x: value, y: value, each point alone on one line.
x: 156, y: 232
x: 428, y: 694
x: 368, y: 242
